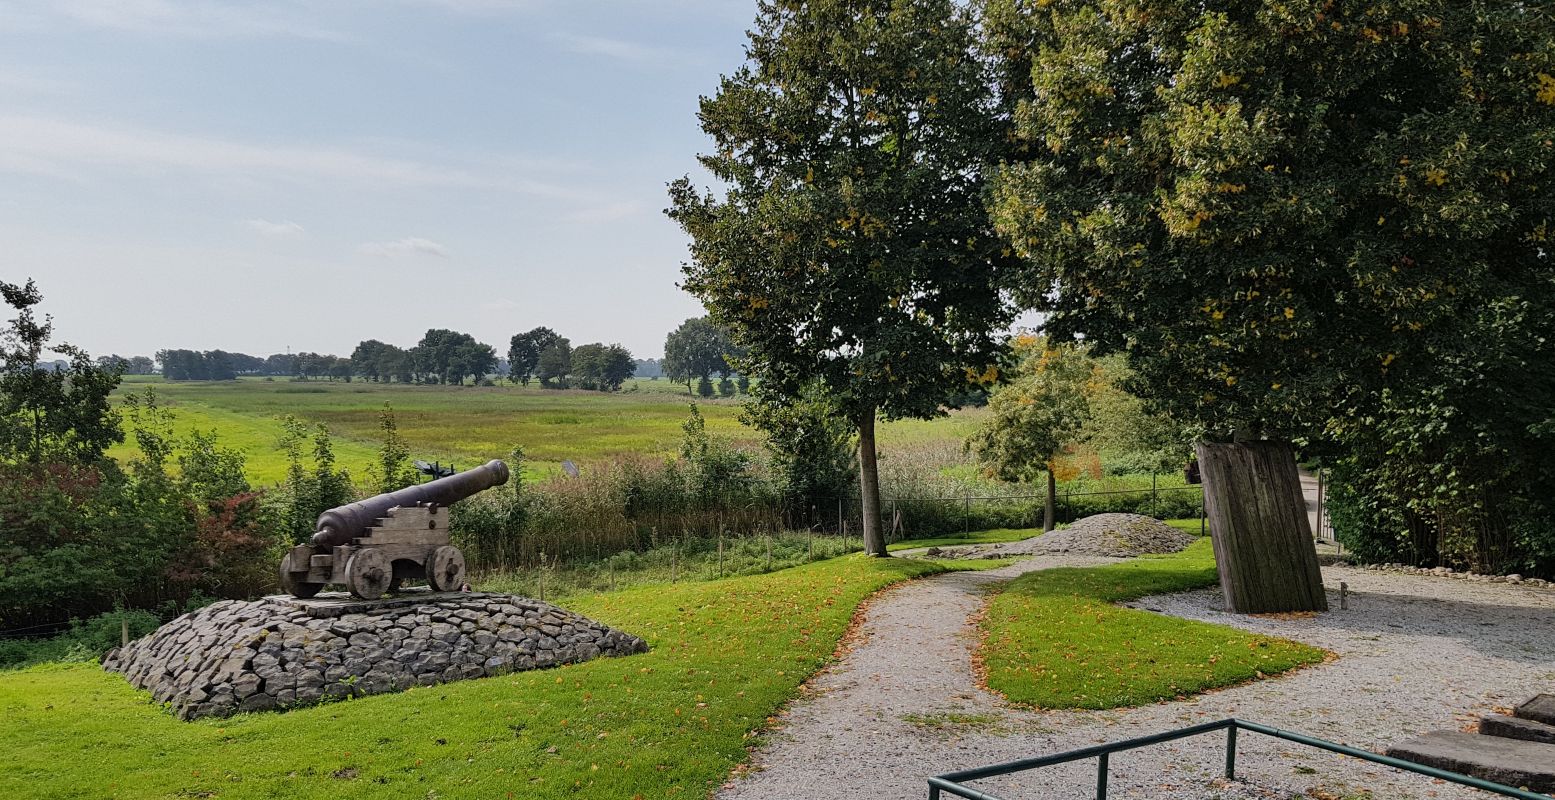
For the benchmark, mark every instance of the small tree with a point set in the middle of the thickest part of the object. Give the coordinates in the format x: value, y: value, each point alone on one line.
x: 1037, y: 416
x: 46, y: 413
x: 393, y: 469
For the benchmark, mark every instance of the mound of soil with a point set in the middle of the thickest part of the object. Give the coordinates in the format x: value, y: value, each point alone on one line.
x: 1114, y: 535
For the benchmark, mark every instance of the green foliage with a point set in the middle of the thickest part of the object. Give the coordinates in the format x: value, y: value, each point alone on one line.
x: 308, y: 493
x: 49, y: 413
x: 382, y: 362
x: 698, y: 349
x: 1324, y: 221
x: 452, y: 356
x: 851, y: 246
x: 1055, y: 639
x: 524, y: 351
x: 602, y: 367
x: 714, y: 469
x: 393, y: 470
x: 726, y: 655
x: 487, y: 528
x: 83, y: 641
x: 555, y: 364
x: 1040, y: 414
x: 811, y: 447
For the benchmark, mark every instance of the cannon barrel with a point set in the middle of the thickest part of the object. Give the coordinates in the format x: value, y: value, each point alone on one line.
x: 341, y: 524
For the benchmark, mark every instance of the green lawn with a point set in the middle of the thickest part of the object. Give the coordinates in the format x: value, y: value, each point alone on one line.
x: 673, y: 722
x: 471, y: 424
x: 1054, y: 639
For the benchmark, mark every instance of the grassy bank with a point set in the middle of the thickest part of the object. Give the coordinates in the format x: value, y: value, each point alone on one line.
x: 669, y: 723
x: 1055, y: 639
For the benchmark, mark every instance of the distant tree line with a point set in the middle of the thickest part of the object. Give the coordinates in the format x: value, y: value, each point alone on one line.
x: 545, y: 355
x: 700, y: 349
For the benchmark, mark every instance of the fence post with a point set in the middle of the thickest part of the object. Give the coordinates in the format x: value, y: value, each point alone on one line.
x: 1231, y: 752
x: 966, y: 515
x: 1101, y: 777
x: 1155, y: 498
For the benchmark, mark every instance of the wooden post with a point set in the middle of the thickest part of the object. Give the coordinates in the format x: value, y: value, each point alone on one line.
x: 769, y: 552
x: 1258, y: 523
x: 124, y: 632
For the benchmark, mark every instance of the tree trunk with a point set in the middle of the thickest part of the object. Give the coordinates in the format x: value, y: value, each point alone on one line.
x: 1258, y: 523
x: 869, y: 486
x: 1049, y: 509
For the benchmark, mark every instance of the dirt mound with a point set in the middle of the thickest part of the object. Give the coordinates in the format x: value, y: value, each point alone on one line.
x: 1114, y: 535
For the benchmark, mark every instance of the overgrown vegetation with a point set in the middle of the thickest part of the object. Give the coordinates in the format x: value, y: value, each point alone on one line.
x: 1055, y: 639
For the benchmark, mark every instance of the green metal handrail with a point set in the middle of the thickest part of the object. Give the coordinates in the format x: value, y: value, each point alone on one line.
x: 951, y: 782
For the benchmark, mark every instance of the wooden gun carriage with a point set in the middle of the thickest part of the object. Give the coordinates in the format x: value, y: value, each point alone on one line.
x: 373, y: 545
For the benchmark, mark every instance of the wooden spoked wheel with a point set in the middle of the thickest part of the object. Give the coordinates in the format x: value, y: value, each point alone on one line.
x: 369, y: 573
x: 445, y: 569
x: 292, y: 586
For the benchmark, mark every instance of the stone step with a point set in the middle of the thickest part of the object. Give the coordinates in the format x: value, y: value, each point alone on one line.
x: 1517, y: 728
x: 1539, y: 708
x: 1511, y: 762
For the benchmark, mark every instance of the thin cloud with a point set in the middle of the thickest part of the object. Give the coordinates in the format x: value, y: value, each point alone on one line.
x: 400, y: 248
x: 285, y: 229
x: 61, y: 147
x: 622, y: 50
x: 203, y: 19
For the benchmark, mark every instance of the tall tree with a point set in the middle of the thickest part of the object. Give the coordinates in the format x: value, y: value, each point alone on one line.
x: 851, y: 246
x: 696, y: 350
x: 524, y: 351
x: 1283, y: 212
x: 555, y: 364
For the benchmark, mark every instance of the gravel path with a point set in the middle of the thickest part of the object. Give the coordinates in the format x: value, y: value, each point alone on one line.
x: 1416, y: 654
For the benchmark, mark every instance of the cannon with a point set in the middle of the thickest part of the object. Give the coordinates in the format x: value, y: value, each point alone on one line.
x: 373, y: 545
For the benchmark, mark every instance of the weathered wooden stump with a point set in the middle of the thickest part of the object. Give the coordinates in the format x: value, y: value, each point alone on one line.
x: 1258, y: 523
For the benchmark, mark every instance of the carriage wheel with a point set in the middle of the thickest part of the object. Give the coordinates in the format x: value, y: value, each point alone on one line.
x: 369, y: 573
x: 445, y: 569
x: 291, y: 585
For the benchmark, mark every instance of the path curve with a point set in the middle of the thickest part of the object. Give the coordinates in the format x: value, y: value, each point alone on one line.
x: 1417, y: 654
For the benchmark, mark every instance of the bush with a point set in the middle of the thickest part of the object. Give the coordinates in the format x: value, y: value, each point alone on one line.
x: 83, y: 641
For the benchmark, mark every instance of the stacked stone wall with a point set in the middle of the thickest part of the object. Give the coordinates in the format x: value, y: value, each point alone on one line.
x: 281, y: 652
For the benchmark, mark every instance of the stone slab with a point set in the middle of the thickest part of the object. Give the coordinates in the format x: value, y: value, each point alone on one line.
x: 1539, y: 708
x: 1517, y: 728
x: 1510, y: 762
x: 280, y: 652
x: 329, y: 605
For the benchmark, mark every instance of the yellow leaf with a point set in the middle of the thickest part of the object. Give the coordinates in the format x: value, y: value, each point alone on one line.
x: 1546, y: 89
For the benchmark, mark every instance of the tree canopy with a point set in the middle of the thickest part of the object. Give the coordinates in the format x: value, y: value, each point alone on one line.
x: 49, y: 414
x: 524, y: 351
x: 850, y: 245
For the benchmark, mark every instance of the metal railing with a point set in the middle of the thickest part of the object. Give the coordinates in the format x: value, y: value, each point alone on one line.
x: 952, y: 782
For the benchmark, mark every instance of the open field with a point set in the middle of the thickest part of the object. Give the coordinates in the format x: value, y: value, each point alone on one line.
x: 470, y: 424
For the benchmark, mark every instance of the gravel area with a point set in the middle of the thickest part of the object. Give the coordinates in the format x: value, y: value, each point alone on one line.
x: 1111, y: 535
x: 1415, y: 654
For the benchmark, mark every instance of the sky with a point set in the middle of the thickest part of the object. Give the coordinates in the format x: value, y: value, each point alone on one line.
x: 306, y: 174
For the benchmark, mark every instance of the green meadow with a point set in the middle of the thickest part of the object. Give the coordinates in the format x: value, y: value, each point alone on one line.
x: 471, y: 424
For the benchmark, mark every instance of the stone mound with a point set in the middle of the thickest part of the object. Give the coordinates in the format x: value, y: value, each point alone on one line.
x: 281, y: 651
x: 1113, y: 535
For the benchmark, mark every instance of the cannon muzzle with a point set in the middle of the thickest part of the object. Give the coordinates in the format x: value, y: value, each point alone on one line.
x: 340, y: 525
